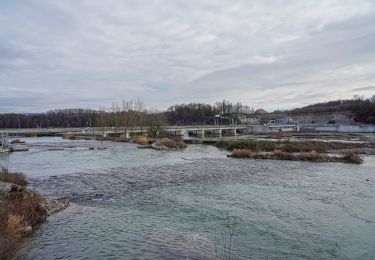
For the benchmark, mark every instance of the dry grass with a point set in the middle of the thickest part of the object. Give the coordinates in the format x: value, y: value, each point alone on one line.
x: 16, y: 141
x: 166, y: 143
x: 285, y: 146
x: 241, y: 153
x: 28, y: 204
x: 169, y: 143
x: 313, y: 156
x: 281, y: 155
x: 20, y: 210
x: 181, y: 144
x: 15, y: 223
x: 12, y: 177
x: 352, y: 158
x: 142, y: 140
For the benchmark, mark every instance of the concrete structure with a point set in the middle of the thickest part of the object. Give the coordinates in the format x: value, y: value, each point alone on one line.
x: 184, y: 132
x: 339, y: 128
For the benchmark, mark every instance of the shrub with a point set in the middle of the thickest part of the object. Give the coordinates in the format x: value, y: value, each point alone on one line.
x: 241, y: 153
x: 181, y: 144
x: 166, y: 144
x: 286, y: 146
x: 14, y: 224
x: 16, y: 141
x: 142, y: 139
x: 352, y: 158
x: 313, y: 155
x: 20, y: 209
x: 12, y: 177
x: 281, y: 155
x: 28, y: 205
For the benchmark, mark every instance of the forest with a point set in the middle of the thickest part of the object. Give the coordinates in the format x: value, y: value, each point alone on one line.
x: 362, y: 109
x: 124, y: 114
x: 134, y: 113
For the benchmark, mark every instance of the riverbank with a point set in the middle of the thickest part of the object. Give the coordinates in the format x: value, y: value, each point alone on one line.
x: 311, y: 156
x: 314, y: 151
x: 21, y: 211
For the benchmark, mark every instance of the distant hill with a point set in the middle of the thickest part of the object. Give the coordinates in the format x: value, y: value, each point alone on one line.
x: 339, y: 111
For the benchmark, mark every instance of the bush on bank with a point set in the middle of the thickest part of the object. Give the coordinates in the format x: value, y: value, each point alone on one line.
x: 352, y: 158
x: 285, y: 146
x: 21, y: 210
x: 14, y: 177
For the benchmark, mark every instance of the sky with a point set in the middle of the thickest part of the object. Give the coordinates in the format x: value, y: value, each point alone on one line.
x: 270, y: 54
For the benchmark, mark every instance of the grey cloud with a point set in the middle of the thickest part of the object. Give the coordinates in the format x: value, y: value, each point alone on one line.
x: 90, y: 53
x: 368, y: 88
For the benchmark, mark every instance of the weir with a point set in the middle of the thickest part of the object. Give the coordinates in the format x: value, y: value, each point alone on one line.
x: 185, y: 132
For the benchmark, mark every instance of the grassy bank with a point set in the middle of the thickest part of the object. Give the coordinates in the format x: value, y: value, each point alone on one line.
x: 313, y: 151
x: 286, y: 146
x: 21, y: 210
x: 311, y: 156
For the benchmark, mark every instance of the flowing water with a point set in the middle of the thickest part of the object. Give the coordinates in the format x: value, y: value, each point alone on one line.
x: 130, y: 203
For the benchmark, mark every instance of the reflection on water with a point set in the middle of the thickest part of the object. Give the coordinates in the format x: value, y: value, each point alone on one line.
x: 143, y: 204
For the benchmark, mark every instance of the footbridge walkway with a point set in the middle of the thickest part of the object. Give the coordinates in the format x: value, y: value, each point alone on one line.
x: 186, y: 132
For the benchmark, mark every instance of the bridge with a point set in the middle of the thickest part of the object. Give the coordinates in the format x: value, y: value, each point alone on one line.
x: 185, y: 132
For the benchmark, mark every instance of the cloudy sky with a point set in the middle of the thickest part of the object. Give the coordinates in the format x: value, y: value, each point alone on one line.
x: 270, y: 54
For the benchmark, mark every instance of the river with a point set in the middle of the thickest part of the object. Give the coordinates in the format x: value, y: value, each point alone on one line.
x: 130, y: 203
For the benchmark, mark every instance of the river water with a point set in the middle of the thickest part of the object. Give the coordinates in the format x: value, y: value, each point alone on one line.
x: 130, y: 203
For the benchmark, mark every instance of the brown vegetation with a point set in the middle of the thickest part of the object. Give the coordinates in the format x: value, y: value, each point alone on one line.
x: 20, y: 211
x: 352, y: 158
x: 181, y: 144
x: 285, y: 146
x: 16, y: 141
x: 167, y: 144
x: 12, y: 177
x: 313, y: 155
x: 241, y: 153
x: 142, y: 140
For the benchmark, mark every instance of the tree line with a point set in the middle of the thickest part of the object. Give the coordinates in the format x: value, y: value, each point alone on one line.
x: 54, y: 118
x: 200, y: 113
x: 361, y: 108
x: 124, y: 115
x: 128, y: 114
